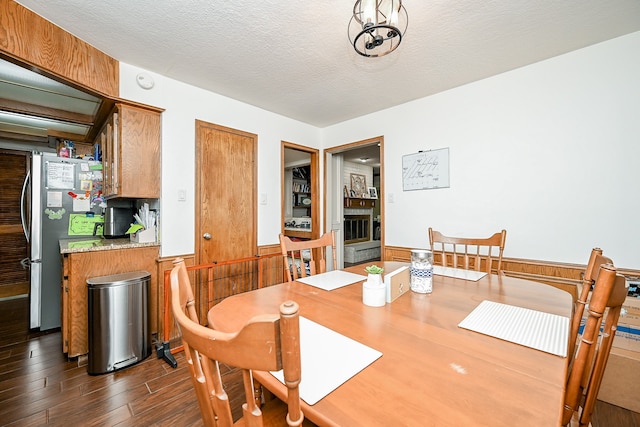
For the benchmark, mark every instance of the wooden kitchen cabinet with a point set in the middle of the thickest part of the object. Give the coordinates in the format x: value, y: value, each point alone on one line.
x: 352, y: 202
x: 80, y: 266
x: 130, y: 141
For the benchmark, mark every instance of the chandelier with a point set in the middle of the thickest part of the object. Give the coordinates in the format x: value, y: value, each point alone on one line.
x: 375, y: 27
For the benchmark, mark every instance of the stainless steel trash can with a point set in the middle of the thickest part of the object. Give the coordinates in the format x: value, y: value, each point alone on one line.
x: 118, y: 321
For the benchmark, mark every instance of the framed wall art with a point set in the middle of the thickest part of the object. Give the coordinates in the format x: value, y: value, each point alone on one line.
x: 359, y: 184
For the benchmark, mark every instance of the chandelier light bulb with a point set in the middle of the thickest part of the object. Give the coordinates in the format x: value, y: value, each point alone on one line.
x: 377, y: 27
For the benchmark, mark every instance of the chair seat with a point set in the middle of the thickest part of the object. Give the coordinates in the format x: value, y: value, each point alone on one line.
x: 274, y: 414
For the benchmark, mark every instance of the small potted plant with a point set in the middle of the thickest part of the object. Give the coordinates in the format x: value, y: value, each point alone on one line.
x: 375, y: 275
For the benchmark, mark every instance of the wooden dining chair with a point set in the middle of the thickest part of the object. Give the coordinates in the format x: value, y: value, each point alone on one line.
x: 469, y: 253
x: 588, y: 365
x: 596, y: 259
x: 307, y: 257
x: 268, y: 342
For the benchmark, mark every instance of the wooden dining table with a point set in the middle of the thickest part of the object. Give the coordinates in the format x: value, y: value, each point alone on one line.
x: 431, y: 372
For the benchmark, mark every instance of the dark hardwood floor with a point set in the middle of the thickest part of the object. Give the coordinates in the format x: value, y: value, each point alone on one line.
x: 39, y: 385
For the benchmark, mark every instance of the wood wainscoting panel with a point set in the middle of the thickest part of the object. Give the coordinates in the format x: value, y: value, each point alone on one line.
x: 269, y: 249
x: 396, y: 253
x: 567, y: 277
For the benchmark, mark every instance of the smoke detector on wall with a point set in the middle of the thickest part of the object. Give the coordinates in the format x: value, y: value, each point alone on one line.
x: 145, y: 81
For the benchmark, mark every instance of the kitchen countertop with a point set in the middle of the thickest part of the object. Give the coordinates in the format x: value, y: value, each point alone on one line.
x: 94, y: 243
x: 308, y: 230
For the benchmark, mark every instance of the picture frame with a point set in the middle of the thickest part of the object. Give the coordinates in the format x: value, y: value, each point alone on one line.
x: 86, y: 185
x: 358, y: 184
x: 373, y: 193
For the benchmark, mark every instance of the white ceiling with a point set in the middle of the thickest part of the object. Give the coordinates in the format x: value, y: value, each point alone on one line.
x: 294, y: 58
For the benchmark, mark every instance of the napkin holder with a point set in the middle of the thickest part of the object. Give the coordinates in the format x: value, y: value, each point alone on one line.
x: 145, y: 235
x: 397, y: 283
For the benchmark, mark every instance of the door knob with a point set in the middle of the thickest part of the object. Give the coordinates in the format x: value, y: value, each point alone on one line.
x: 207, y: 236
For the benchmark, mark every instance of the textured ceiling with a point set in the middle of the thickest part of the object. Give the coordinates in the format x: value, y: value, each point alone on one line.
x: 294, y: 58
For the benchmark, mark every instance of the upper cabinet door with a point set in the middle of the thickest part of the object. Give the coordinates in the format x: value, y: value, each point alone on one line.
x: 130, y: 141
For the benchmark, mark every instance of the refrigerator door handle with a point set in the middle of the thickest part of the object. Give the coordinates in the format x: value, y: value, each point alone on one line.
x: 35, y: 316
x: 23, y: 206
x: 25, y: 263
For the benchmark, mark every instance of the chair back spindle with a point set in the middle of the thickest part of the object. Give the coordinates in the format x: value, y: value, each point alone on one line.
x: 596, y: 259
x: 468, y: 253
x: 298, y: 256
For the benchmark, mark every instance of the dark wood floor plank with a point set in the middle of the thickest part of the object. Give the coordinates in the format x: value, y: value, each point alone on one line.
x: 608, y: 415
x: 185, y: 403
x: 32, y: 403
x: 20, y: 389
x: 99, y: 401
x: 151, y: 402
x: 35, y: 420
x: 164, y: 381
x: 120, y: 380
x: 24, y: 374
x: 112, y: 418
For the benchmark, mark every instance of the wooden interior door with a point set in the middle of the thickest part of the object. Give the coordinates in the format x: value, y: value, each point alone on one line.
x: 226, y: 186
x: 14, y: 279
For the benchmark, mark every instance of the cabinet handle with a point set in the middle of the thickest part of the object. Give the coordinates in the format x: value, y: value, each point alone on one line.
x: 206, y: 236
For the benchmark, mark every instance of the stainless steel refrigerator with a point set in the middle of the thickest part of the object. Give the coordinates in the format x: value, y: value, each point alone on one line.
x: 56, y: 190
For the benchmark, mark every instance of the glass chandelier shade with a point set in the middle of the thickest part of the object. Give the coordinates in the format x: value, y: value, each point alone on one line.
x: 377, y: 26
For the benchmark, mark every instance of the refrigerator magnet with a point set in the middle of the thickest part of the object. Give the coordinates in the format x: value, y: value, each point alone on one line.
x: 54, y: 199
x: 81, y: 204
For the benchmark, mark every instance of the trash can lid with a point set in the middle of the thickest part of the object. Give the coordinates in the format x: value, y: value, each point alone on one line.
x: 119, y: 279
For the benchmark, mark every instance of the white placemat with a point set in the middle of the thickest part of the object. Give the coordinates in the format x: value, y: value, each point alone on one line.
x: 458, y: 273
x: 536, y: 329
x: 332, y: 279
x: 329, y: 359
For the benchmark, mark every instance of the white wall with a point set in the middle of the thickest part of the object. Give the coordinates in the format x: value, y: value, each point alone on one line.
x: 529, y: 150
x: 184, y: 104
x: 549, y: 152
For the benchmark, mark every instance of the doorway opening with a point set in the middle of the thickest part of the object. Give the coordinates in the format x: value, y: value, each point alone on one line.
x: 355, y: 190
x: 300, y: 198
